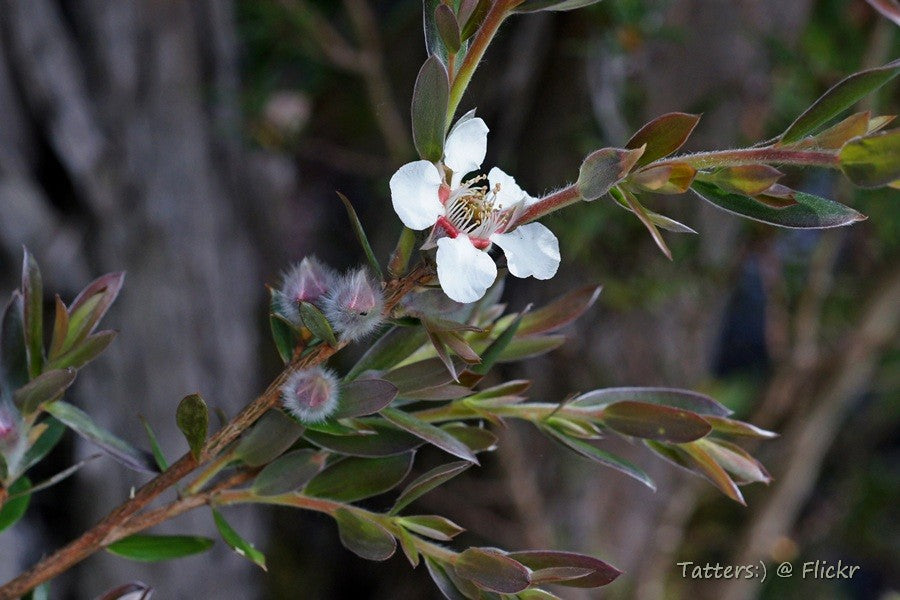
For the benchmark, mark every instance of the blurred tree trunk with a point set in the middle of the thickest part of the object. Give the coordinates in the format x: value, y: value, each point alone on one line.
x: 120, y: 150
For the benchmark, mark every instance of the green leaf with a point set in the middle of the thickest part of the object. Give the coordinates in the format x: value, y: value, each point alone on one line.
x: 15, y: 508
x: 537, y: 5
x: 363, y: 536
x: 560, y: 312
x: 155, y: 448
x: 599, y: 572
x: 46, y: 387
x: 390, y: 349
x: 521, y: 348
x: 364, y: 397
x: 13, y: 360
x: 840, y: 97
x: 399, y: 262
x: 433, y: 42
x: 317, y: 324
x: 430, y: 433
x: 274, y: 433
x: 663, y: 136
x: 361, y: 236
x: 671, y: 178
x: 289, y: 472
x: 153, y: 548
x: 655, y: 422
x: 686, y: 399
x: 60, y: 328
x: 699, y: 460
x: 84, y: 351
x: 448, y: 28
x: 33, y: 293
x: 192, y: 418
x: 90, y: 306
x: 732, y: 427
x: 746, y: 179
x: 434, y: 526
x: 478, y: 439
x: 603, y: 169
x: 643, y: 216
x: 427, y: 482
x: 353, y: 479
x: 44, y: 444
x: 442, y: 580
x: 872, y: 161
x: 238, y: 543
x: 387, y: 440
x: 809, y: 212
x: 490, y: 570
x: 430, y: 100
x: 284, y: 336
x: 736, y: 461
x: 473, y: 20
x: 83, y: 425
x: 492, y: 353
x: 601, y: 456
x: 418, y: 376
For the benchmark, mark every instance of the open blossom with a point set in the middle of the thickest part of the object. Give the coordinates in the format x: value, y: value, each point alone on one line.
x: 468, y: 217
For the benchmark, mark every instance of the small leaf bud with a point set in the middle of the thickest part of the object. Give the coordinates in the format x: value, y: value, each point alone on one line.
x: 353, y: 306
x: 311, y: 395
x: 306, y: 281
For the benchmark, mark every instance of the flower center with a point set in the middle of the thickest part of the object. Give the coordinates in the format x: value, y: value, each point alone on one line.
x: 471, y: 210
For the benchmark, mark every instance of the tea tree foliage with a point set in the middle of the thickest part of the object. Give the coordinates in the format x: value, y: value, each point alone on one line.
x: 433, y: 327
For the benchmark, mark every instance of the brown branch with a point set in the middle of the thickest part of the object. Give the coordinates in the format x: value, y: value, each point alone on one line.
x: 95, y: 538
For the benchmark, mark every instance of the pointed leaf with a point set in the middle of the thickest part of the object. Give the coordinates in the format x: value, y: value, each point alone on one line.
x: 603, y: 169
x: 46, y: 387
x: 90, y: 306
x: 700, y: 461
x: 317, y: 324
x: 642, y: 214
x: 474, y: 18
x: 44, y: 444
x: 674, y: 178
x: 655, y: 422
x: 736, y: 461
x: 399, y: 262
x: 60, y: 329
x: 663, y: 136
x: 478, y: 439
x: 363, y: 536
x: 810, y: 212
x: 288, y: 472
x: 600, y: 573
x: 83, y: 425
x: 601, y: 456
x: 841, y: 96
x: 443, y: 582
x: 238, y: 543
x: 192, y: 418
x: 430, y: 100
x: 390, y: 349
x: 284, y: 337
x: 361, y: 236
x: 33, y: 293
x: 13, y: 360
x: 152, y: 548
x: 155, y: 448
x: 85, y: 350
x: 433, y: 526
x: 521, y: 348
x: 491, y: 354
x: 364, y: 397
x: 387, y: 440
x: 274, y: 433
x: 874, y: 160
x: 537, y: 5
x: 560, y: 312
x: 448, y: 28
x: 834, y: 137
x: 353, y: 479
x: 490, y: 570
x: 17, y: 505
x: 433, y: 42
x: 686, y: 399
x: 427, y: 482
x: 430, y: 433
x: 732, y: 427
x: 747, y: 179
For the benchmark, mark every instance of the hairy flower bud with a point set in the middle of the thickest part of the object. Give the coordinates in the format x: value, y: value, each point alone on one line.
x: 306, y: 281
x: 311, y: 395
x: 353, y: 306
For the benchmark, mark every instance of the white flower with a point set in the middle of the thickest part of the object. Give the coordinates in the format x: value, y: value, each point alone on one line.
x: 467, y: 218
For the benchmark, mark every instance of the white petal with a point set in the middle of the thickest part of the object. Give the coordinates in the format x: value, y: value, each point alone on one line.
x: 465, y: 272
x: 414, y: 194
x: 509, y: 192
x: 531, y: 250
x: 466, y: 146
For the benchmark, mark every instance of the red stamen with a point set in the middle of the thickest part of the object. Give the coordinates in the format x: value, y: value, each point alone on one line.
x: 480, y: 243
x: 448, y: 227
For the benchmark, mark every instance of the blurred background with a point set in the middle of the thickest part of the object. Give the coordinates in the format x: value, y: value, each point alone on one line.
x: 197, y: 144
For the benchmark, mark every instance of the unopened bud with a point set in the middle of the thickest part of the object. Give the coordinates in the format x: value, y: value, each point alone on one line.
x: 311, y: 395
x: 306, y: 281
x: 353, y: 306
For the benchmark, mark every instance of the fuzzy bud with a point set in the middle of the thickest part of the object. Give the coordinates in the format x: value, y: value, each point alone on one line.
x: 307, y: 281
x: 311, y: 395
x: 354, y: 305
